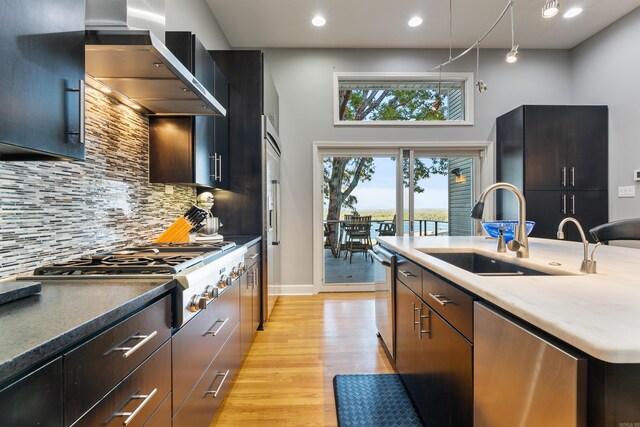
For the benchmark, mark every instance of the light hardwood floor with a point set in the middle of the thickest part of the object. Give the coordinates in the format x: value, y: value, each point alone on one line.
x: 287, y: 376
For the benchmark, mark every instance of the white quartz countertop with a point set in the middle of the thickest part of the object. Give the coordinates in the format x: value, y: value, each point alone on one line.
x: 598, y: 314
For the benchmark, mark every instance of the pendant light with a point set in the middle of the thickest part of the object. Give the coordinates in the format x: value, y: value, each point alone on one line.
x: 512, y: 56
x: 480, y: 85
x: 550, y: 8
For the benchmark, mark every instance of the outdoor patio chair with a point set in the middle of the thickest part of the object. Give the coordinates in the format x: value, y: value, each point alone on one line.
x: 357, y: 236
x: 387, y: 228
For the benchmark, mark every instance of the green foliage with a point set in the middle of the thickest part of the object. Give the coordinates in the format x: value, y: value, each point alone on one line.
x: 407, y: 105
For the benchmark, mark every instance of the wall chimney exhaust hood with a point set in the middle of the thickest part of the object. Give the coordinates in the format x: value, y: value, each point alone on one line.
x: 135, y: 67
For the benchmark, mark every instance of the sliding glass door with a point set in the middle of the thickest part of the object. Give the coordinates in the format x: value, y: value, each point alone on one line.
x: 368, y: 194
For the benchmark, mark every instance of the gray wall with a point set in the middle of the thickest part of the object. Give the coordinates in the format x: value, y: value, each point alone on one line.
x: 605, y: 70
x: 304, y: 81
x: 195, y: 16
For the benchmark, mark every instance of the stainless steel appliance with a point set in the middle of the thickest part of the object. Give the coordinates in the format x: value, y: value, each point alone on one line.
x: 271, y: 220
x: 202, y: 269
x: 522, y: 379
x: 135, y: 63
x: 385, y: 297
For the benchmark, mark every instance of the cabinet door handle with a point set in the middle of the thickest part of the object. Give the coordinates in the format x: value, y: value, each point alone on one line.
x: 413, y: 304
x: 251, y: 258
x: 573, y: 176
x: 564, y: 176
x: 217, y: 390
x: 131, y: 415
x: 128, y: 351
x: 564, y: 204
x: 573, y: 204
x: 441, y: 299
x: 407, y: 273
x: 424, y: 316
x: 219, y: 168
x: 217, y: 331
x: 212, y: 166
x: 81, y: 113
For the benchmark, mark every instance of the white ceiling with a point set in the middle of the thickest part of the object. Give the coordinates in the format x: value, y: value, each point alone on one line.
x: 383, y: 23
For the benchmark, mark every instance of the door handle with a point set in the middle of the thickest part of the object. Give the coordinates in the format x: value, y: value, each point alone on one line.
x: 573, y: 204
x: 217, y: 331
x: 413, y: 311
x: 407, y: 273
x: 81, y: 89
x: 217, y: 390
x: 424, y: 316
x: 573, y: 176
x: 213, y: 166
x: 441, y: 299
x: 564, y: 204
x: 219, y: 168
x: 564, y: 176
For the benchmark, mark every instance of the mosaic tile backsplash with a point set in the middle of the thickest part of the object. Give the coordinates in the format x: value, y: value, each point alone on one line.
x: 54, y: 211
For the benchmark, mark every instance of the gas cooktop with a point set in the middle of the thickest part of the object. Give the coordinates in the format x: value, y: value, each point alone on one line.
x: 168, y: 259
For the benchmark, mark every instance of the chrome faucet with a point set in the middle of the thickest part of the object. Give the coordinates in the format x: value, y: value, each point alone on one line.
x: 588, y: 265
x: 520, y: 242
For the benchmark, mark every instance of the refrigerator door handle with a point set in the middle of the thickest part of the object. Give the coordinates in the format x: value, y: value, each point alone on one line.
x: 276, y: 209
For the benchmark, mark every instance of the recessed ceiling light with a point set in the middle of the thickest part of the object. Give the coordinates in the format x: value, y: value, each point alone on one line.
x: 318, y: 21
x: 105, y: 89
x: 135, y: 106
x: 415, y: 21
x: 574, y: 11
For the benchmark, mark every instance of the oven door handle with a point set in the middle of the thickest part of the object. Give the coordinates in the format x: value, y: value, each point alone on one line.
x: 378, y: 258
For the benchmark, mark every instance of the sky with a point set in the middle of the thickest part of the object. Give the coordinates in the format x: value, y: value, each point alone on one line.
x: 380, y: 192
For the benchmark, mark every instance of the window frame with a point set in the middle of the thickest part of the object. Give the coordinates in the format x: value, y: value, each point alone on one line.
x: 467, y: 78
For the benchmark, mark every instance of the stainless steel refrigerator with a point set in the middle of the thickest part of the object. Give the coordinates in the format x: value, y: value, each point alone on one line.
x: 271, y: 212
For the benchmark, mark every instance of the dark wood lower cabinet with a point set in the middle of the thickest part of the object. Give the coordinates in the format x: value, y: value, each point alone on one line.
x: 162, y: 416
x: 136, y: 398
x: 35, y: 400
x: 207, y: 395
x: 435, y: 362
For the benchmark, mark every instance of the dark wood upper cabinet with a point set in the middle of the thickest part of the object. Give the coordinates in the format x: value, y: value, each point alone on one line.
x: 558, y: 155
x: 41, y: 90
x: 192, y: 150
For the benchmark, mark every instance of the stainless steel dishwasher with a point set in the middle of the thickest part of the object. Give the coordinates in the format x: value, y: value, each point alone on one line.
x: 521, y: 379
x: 385, y: 297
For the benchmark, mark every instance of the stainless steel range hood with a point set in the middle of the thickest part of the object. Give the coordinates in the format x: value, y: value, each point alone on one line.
x: 134, y: 66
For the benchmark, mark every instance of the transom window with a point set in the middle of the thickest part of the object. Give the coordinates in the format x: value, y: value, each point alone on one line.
x: 403, y: 99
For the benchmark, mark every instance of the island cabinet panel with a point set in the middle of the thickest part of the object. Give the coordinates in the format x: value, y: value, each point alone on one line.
x: 42, y: 85
x: 435, y: 362
x: 35, y: 400
x: 558, y: 156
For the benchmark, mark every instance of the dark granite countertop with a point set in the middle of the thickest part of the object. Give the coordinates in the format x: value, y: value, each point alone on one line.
x: 37, y: 327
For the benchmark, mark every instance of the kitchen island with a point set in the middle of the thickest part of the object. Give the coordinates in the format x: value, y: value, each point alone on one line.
x: 595, y: 316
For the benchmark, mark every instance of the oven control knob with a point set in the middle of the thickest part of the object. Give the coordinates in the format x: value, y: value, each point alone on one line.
x: 224, y: 281
x: 210, y: 292
x: 242, y: 267
x: 234, y: 273
x: 197, y: 303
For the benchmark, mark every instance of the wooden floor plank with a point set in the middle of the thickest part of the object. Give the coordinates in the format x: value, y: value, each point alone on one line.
x: 287, y: 376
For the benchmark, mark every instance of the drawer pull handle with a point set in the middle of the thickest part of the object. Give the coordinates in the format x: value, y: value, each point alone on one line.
x: 224, y: 378
x: 131, y: 415
x: 128, y: 351
x: 217, y: 331
x: 441, y: 299
x: 407, y: 273
x: 251, y: 258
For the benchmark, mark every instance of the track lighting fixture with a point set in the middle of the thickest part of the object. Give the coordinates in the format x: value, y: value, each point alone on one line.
x: 550, y: 8
x: 512, y: 56
x: 480, y: 85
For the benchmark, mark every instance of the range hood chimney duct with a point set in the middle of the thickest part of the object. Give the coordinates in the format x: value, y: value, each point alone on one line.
x: 134, y: 66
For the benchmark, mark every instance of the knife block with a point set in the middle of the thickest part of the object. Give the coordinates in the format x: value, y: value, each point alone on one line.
x: 178, y: 232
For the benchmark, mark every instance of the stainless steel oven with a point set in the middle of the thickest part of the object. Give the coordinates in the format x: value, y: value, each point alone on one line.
x: 385, y: 297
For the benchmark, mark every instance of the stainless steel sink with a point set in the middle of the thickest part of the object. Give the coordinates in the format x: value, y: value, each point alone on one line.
x: 483, y: 265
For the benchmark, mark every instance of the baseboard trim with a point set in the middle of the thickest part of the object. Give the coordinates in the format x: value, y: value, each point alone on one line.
x: 296, y: 290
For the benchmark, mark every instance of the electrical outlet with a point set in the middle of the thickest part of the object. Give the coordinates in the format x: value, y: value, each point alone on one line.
x: 627, y: 191
x: 168, y: 189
